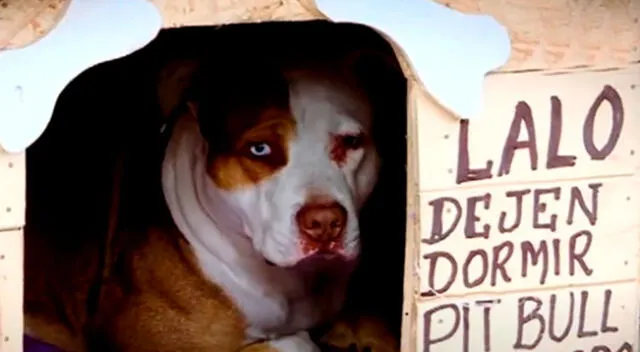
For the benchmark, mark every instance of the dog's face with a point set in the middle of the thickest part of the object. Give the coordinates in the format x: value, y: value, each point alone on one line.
x: 292, y: 158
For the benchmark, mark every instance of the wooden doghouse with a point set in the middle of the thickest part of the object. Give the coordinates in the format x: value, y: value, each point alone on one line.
x: 522, y: 226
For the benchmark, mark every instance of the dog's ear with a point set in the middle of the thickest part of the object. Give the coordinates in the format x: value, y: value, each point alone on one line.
x: 382, y: 79
x: 380, y: 75
x: 174, y: 79
x: 370, y: 65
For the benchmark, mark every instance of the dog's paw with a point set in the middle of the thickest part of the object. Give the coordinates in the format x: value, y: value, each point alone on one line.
x: 366, y: 334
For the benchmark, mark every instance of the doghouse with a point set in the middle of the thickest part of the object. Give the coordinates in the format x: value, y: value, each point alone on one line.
x: 521, y: 222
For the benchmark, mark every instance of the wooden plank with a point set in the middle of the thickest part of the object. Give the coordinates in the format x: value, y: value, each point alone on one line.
x: 545, y: 34
x: 12, y: 190
x: 554, y: 34
x: 532, y: 240
x: 178, y: 13
x: 11, y: 290
x: 23, y: 22
x: 411, y: 280
x: 598, y: 176
x: 538, y: 95
x: 592, y: 318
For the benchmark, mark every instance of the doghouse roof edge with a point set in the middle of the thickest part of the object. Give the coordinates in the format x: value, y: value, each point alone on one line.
x: 547, y: 34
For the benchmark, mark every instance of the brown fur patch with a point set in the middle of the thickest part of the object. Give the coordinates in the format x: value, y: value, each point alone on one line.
x: 156, y: 298
x: 240, y: 104
x: 364, y: 332
x: 259, y: 347
x: 238, y: 167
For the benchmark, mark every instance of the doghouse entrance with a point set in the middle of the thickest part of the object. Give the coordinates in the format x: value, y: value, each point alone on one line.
x: 110, y: 119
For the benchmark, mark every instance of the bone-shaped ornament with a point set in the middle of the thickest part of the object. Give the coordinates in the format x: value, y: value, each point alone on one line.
x: 90, y: 32
x: 450, y: 51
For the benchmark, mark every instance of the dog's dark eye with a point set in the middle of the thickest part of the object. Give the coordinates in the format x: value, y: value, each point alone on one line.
x: 260, y: 149
x: 353, y: 141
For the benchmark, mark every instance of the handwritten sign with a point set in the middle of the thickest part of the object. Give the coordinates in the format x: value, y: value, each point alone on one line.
x: 529, y: 227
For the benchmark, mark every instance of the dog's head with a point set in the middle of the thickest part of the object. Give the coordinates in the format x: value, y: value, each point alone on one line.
x: 290, y: 154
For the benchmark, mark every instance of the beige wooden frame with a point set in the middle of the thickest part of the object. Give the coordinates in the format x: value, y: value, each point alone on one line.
x: 548, y: 37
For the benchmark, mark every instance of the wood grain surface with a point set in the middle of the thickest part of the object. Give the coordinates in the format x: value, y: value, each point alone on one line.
x: 546, y: 34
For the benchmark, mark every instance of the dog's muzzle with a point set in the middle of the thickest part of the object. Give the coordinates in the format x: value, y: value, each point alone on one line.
x: 321, y: 225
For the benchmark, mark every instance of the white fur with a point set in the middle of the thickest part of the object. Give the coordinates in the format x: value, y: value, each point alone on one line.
x: 232, y: 232
x: 300, y: 342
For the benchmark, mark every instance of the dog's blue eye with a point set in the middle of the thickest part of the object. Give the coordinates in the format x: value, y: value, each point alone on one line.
x: 260, y: 149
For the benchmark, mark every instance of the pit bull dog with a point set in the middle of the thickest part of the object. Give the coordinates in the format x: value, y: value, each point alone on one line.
x: 263, y: 177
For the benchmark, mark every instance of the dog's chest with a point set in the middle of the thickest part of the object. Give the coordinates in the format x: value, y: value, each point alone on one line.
x: 266, y: 310
x: 270, y: 314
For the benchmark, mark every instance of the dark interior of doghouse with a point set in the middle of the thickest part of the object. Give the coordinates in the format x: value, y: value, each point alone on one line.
x: 110, y: 113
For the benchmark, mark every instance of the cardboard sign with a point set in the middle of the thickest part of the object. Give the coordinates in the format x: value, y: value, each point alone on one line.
x: 529, y: 218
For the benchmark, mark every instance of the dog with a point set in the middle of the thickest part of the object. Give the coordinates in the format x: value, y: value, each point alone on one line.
x: 263, y: 178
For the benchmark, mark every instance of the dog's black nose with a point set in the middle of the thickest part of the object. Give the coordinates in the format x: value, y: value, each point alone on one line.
x: 321, y: 221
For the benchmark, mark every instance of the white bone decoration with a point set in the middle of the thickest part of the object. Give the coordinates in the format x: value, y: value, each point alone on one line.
x: 91, y: 32
x: 451, y: 52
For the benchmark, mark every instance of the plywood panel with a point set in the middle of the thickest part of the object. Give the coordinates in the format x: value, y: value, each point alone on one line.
x: 553, y: 34
x: 545, y: 34
x: 11, y: 290
x: 585, y: 319
x: 178, y: 13
x: 528, y: 240
x: 566, y: 99
x: 22, y: 22
x: 411, y: 287
x: 548, y: 36
x: 584, y: 250
x: 12, y: 190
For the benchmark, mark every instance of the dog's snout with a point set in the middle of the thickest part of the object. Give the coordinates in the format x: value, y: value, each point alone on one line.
x: 322, y: 222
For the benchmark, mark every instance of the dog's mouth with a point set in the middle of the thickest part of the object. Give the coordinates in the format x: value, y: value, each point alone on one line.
x: 322, y: 270
x: 321, y: 262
